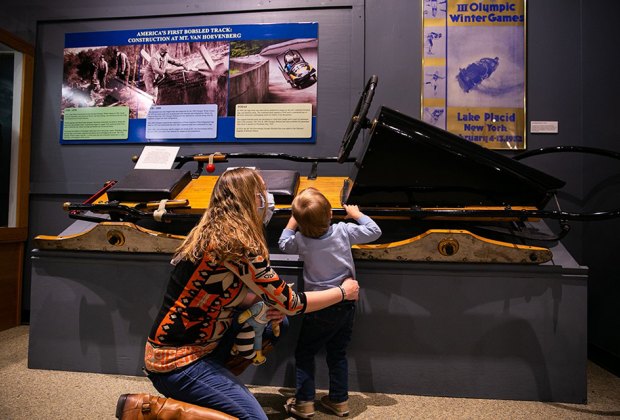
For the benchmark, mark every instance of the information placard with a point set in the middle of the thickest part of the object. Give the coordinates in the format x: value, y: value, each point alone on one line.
x: 96, y: 123
x: 183, y: 84
x: 157, y: 157
x: 182, y: 122
x: 274, y: 120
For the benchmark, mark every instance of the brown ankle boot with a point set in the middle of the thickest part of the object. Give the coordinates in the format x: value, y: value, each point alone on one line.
x: 152, y: 407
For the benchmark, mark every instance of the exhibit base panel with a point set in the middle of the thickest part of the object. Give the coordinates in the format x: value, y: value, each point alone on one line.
x: 91, y: 312
x: 474, y: 331
x: 493, y: 331
x: 472, y: 334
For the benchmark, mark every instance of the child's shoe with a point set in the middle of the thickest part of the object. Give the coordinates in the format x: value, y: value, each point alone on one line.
x: 303, y: 409
x: 340, y: 409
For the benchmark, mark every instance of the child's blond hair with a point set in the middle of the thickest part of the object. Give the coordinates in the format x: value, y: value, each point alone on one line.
x: 312, y: 212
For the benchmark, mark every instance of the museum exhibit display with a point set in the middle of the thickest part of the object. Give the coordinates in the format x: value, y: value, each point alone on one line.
x: 469, y: 281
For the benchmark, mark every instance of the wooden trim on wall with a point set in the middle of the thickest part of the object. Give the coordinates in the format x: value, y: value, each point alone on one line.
x: 9, y: 235
x: 13, y: 239
x: 25, y: 128
x: 16, y: 43
x: 25, y: 124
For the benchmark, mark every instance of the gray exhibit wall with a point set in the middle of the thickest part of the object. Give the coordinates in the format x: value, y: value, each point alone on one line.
x: 601, y: 38
x: 568, y: 49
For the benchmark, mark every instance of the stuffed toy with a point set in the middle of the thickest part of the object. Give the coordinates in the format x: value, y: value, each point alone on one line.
x: 249, y: 341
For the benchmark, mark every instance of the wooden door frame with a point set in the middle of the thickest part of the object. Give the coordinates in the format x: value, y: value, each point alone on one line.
x: 17, y: 236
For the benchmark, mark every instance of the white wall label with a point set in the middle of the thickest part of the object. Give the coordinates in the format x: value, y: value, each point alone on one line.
x: 544, y: 127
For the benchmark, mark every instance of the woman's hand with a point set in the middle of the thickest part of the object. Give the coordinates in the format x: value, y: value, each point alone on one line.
x: 320, y: 299
x: 351, y: 289
x: 274, y: 315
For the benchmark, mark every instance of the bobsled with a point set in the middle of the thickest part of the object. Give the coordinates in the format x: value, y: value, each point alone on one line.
x: 436, y: 196
x: 296, y: 71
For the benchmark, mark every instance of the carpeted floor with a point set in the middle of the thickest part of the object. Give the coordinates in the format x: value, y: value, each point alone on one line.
x: 41, y: 394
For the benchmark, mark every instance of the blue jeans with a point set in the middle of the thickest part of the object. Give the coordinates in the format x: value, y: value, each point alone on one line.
x: 330, y: 328
x: 208, y: 383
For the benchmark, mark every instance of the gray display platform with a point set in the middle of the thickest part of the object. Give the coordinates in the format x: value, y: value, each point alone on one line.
x: 460, y: 330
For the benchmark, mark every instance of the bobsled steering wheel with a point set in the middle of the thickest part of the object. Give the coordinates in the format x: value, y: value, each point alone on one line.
x: 358, y: 120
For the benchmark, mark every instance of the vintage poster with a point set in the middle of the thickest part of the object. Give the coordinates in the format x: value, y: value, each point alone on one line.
x: 474, y: 70
x: 186, y: 84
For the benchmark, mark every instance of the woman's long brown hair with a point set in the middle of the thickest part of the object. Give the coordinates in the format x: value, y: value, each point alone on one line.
x: 231, y: 227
